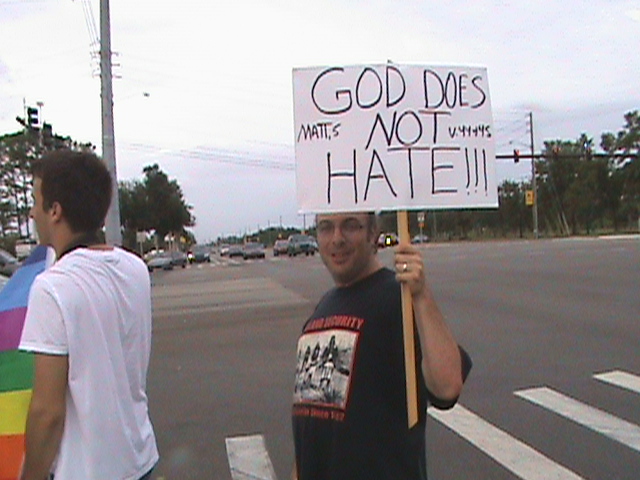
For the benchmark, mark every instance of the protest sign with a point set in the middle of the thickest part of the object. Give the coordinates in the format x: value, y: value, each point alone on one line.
x: 393, y: 137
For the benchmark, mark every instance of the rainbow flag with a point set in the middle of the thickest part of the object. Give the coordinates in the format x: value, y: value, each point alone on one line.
x: 16, y: 368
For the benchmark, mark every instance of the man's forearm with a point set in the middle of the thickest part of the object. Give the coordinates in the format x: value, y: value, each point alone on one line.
x: 441, y: 362
x: 42, y: 441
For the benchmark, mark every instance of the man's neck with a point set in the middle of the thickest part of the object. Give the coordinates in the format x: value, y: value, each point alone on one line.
x: 75, y: 240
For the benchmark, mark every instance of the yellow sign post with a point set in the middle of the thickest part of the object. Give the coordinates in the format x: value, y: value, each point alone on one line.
x: 529, y: 198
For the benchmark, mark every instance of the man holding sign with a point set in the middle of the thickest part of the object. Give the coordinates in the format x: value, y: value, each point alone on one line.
x: 351, y: 423
x: 370, y: 138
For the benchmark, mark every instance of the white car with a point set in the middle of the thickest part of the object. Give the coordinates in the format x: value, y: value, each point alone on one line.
x: 420, y: 239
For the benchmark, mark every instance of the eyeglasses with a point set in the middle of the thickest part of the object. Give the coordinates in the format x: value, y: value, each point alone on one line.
x: 348, y: 227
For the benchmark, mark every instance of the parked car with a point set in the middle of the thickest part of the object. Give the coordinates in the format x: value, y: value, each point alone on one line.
x: 235, y: 251
x: 253, y: 250
x: 224, y: 249
x: 280, y: 247
x: 387, y: 240
x: 8, y: 263
x: 159, y: 261
x: 420, y: 239
x: 301, y: 244
x: 199, y: 254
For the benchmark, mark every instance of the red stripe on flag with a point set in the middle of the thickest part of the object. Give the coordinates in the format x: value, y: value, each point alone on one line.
x: 11, y: 455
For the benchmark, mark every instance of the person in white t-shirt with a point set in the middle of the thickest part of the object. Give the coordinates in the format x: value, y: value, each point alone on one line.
x: 89, y: 324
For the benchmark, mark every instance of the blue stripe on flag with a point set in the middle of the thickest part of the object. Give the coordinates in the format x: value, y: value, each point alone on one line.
x: 15, y: 293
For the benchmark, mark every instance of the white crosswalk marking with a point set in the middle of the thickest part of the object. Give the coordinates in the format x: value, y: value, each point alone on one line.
x: 249, y: 459
x: 620, y: 379
x: 518, y: 457
x: 602, y: 422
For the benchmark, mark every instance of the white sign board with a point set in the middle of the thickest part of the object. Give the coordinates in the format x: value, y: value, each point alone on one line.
x: 393, y: 137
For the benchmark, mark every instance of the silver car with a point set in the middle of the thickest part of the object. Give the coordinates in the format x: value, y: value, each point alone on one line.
x: 253, y: 250
x: 160, y: 261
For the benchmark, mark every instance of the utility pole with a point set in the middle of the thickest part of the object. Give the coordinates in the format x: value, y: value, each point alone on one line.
x: 534, y: 183
x: 434, y: 227
x: 112, y: 222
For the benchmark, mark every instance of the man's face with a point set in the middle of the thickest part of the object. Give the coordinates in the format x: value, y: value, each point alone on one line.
x: 40, y: 216
x: 346, y: 246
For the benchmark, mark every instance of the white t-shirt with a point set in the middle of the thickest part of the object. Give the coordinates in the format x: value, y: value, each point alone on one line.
x: 95, y: 307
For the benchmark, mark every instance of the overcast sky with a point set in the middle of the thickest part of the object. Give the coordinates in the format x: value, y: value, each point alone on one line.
x: 203, y: 87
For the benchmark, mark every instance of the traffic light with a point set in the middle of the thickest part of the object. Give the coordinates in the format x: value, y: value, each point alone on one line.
x: 516, y: 155
x: 47, y: 136
x: 32, y: 117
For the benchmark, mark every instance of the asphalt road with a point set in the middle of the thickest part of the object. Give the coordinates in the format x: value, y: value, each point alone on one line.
x: 549, y: 313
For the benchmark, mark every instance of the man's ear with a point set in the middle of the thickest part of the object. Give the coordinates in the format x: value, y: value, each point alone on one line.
x: 56, y: 211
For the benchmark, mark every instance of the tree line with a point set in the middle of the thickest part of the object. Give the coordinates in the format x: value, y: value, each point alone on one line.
x: 153, y: 204
x: 578, y: 192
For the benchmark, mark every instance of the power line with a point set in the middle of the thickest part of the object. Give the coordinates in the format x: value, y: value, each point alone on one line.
x: 94, y: 38
x: 217, y: 155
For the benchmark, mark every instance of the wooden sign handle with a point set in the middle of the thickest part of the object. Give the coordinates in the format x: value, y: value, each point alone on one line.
x: 407, y: 328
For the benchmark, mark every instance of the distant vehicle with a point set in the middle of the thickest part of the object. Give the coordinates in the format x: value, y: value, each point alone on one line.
x: 151, y: 253
x: 166, y: 260
x: 235, y: 251
x: 199, y: 254
x: 299, y: 244
x: 387, y: 240
x: 420, y: 239
x: 280, y: 247
x: 8, y: 263
x: 253, y: 250
x: 24, y: 248
x: 159, y: 261
x: 224, y: 249
x: 179, y: 259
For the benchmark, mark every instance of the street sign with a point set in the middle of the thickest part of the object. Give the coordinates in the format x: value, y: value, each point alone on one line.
x: 529, y: 198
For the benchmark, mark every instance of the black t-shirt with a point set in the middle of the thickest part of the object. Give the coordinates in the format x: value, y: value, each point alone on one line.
x: 349, y: 403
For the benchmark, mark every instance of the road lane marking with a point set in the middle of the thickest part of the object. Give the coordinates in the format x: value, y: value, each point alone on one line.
x: 620, y: 379
x: 194, y: 298
x: 249, y: 459
x: 631, y: 236
x: 518, y: 457
x: 597, y: 420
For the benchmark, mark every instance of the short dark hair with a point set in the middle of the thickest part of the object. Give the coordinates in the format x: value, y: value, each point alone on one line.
x: 80, y: 182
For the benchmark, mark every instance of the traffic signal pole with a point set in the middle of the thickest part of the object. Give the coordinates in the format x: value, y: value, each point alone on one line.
x: 534, y: 183
x: 112, y: 222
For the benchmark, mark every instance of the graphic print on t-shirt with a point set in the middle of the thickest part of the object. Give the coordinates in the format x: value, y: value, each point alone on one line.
x: 325, y: 362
